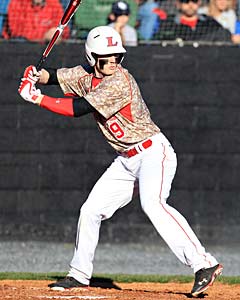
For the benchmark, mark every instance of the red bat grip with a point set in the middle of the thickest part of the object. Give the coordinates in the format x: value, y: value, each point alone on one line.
x: 57, y: 33
x: 49, y: 47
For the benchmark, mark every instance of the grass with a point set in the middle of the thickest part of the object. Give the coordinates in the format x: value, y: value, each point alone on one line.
x: 114, y: 277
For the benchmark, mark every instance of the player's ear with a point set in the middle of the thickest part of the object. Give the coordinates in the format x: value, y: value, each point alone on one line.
x: 111, y: 17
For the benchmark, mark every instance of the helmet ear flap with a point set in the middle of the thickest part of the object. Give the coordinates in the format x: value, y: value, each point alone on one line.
x: 95, y: 57
x: 90, y: 58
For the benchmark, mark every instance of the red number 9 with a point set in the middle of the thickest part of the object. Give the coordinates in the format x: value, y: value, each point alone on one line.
x: 116, y: 130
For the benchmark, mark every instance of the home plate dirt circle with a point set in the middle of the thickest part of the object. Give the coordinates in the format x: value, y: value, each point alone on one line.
x: 38, y: 290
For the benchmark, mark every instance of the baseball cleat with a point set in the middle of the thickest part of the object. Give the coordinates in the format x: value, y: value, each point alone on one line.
x: 66, y: 284
x: 205, y: 278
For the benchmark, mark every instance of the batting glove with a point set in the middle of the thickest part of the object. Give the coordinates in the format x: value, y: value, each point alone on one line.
x: 29, y: 92
x: 31, y: 73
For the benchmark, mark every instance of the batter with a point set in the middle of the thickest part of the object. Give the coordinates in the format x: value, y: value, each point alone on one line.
x: 143, y: 154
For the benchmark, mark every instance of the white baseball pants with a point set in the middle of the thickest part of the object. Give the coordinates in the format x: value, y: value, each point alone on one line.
x: 154, y: 168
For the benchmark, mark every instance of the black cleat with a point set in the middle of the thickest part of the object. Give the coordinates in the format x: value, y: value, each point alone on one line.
x: 66, y: 284
x: 205, y: 278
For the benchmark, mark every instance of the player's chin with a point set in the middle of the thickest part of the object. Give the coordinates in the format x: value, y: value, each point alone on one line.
x: 110, y: 71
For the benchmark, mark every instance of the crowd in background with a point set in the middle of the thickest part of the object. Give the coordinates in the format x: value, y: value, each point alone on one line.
x: 187, y: 20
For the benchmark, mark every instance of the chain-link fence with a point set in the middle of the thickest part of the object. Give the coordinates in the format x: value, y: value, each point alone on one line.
x: 162, y: 22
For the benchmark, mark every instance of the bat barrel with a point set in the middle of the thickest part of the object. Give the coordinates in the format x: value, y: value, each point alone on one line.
x: 72, y: 6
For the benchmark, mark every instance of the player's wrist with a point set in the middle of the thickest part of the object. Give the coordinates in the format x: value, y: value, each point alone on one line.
x: 39, y: 100
x: 44, y: 76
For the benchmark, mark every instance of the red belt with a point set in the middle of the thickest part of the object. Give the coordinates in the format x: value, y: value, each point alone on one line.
x: 138, y: 148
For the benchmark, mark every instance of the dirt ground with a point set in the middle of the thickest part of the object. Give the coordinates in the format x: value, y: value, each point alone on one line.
x: 37, y: 290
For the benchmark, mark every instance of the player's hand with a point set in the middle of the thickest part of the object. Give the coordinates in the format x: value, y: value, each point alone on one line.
x: 29, y: 92
x: 32, y: 74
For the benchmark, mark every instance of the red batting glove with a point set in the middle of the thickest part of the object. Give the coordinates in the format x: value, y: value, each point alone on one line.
x: 32, y: 73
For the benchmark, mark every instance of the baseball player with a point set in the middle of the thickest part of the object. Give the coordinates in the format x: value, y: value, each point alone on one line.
x: 107, y: 90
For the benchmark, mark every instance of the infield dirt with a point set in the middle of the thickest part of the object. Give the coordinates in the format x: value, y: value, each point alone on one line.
x: 38, y: 290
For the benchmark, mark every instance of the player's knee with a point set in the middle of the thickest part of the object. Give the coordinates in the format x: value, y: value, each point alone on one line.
x: 152, y: 206
x: 86, y: 211
x: 147, y: 207
x: 90, y: 213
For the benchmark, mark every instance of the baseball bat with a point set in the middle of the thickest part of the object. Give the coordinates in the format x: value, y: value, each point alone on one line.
x: 68, y: 13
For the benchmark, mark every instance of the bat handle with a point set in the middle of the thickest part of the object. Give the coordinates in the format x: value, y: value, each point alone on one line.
x: 50, y: 45
x: 40, y: 63
x: 72, y: 7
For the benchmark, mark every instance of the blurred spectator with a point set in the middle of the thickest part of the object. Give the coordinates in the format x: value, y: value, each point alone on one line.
x: 34, y: 20
x: 148, y: 18
x: 236, y: 7
x: 222, y: 11
x: 237, y: 28
x: 3, y: 13
x: 118, y: 19
x: 64, y: 3
x: 189, y: 25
